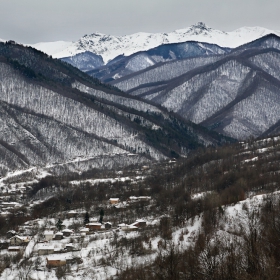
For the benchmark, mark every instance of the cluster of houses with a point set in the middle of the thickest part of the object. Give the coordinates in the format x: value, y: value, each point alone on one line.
x: 6, y: 207
x: 134, y: 226
x: 16, y: 243
x: 131, y: 199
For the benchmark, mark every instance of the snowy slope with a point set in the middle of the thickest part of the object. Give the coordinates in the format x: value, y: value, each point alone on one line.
x: 109, y: 46
x: 52, y: 48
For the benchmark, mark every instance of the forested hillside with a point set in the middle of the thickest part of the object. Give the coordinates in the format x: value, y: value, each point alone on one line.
x: 58, y: 118
x: 235, y: 94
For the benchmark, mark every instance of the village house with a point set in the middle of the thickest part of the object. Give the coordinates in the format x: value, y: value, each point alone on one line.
x: 114, y: 200
x: 93, y: 226
x: 55, y: 261
x: 45, y: 249
x: 84, y: 231
x: 69, y: 247
x: 67, y: 232
x: 130, y: 228
x: 139, y: 223
x: 14, y: 248
x: 48, y: 235
x: 72, y: 214
x: 145, y: 167
x: 19, y: 240
x: 58, y: 236
x: 123, y: 226
x: 132, y: 199
x: 108, y: 225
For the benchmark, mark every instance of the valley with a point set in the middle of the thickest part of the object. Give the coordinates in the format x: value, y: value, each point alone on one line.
x: 146, y: 156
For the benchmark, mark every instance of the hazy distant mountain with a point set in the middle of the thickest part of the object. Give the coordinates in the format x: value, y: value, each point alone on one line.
x: 109, y: 46
x: 122, y: 66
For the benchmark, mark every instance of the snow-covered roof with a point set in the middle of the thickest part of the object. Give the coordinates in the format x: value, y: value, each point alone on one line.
x: 59, y: 233
x: 10, y: 203
x: 45, y: 247
x: 114, y: 199
x: 67, y: 230
x: 131, y: 226
x: 14, y: 247
x: 123, y: 225
x: 56, y: 258
x: 84, y: 229
x: 5, y: 213
x: 93, y: 224
x: 140, y: 221
x: 108, y: 223
x: 48, y: 232
x: 20, y: 237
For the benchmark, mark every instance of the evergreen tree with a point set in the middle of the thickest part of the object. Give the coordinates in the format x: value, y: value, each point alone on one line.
x: 86, y: 220
x: 101, y: 213
x: 59, y: 224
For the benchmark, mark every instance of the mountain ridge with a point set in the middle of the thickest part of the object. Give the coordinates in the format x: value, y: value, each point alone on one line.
x: 58, y: 118
x: 109, y: 46
x: 200, y: 89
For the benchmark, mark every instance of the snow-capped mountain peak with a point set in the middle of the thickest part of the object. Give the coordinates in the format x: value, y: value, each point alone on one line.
x: 199, y: 28
x: 109, y: 46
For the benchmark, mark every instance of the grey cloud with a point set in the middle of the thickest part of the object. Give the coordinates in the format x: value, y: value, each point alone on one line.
x: 31, y: 21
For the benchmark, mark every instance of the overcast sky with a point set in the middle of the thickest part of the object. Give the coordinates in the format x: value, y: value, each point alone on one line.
x: 31, y: 21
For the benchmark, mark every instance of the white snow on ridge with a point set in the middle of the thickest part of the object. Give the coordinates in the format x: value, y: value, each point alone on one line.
x: 51, y: 48
x: 109, y: 46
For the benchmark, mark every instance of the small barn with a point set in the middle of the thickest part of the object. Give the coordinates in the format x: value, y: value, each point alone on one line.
x: 84, y: 231
x: 114, y: 200
x: 130, y: 228
x: 69, y: 247
x: 55, y: 261
x: 58, y: 236
x: 67, y: 232
x: 19, y: 240
x: 93, y: 226
x: 72, y: 214
x: 139, y: 223
x: 123, y: 226
x: 14, y: 248
x: 45, y: 250
x: 108, y: 225
x: 48, y: 235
